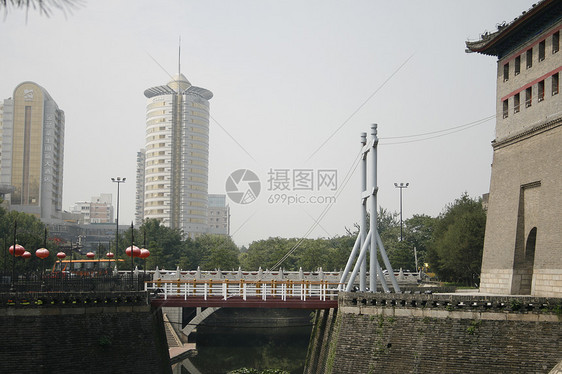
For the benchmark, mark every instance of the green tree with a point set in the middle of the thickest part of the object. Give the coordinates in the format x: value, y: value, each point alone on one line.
x: 388, y: 226
x: 339, y: 250
x: 265, y: 253
x: 458, y: 240
x: 313, y: 254
x: 30, y: 233
x: 401, y: 256
x: 166, y: 245
x: 45, y: 7
x: 218, y: 252
x: 418, y: 233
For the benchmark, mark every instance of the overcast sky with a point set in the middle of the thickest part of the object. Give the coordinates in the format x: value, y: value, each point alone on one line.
x: 295, y: 83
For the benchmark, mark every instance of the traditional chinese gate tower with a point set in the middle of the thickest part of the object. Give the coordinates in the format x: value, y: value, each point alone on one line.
x: 523, y: 243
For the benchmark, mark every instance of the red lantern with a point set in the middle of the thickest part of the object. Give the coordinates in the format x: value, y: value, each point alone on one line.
x: 42, y: 253
x: 61, y: 255
x: 19, y: 250
x: 90, y: 255
x: 109, y: 255
x: 136, y: 251
x: 144, y: 253
x: 26, y: 254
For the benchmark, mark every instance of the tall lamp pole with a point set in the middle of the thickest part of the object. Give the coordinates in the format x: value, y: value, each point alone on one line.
x: 117, y: 180
x: 12, y: 286
x: 401, y: 186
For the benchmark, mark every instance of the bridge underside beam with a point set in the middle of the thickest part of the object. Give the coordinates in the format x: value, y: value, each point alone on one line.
x: 239, y: 302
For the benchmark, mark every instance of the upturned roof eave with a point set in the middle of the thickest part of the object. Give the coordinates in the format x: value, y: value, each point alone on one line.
x: 488, y: 45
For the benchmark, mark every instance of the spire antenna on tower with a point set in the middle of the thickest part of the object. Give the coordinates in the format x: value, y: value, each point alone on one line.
x: 179, y: 57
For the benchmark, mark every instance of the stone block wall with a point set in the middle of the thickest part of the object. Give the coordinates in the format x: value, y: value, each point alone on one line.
x: 79, y: 337
x: 325, y: 321
x: 398, y: 333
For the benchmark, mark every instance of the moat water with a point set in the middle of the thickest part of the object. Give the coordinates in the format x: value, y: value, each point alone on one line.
x: 251, y: 339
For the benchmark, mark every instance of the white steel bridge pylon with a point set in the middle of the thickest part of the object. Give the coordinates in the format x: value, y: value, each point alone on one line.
x: 368, y: 240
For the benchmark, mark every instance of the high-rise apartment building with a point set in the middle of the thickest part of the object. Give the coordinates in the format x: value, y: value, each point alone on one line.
x: 177, y: 155
x: 523, y: 241
x: 139, y: 194
x: 219, y: 215
x: 32, y: 151
x: 1, y: 117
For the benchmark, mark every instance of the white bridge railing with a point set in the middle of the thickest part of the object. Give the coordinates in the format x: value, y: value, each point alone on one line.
x: 225, y: 289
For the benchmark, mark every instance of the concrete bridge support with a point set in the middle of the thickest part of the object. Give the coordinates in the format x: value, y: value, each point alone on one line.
x: 188, y: 365
x: 175, y: 318
x: 199, y: 317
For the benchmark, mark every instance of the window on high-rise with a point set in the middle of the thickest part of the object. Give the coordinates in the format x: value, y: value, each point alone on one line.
x: 516, y: 103
x: 528, y: 97
x: 542, y: 47
x: 555, y: 83
x: 529, y: 58
x: 555, y: 42
x: 506, y: 72
x: 505, y: 108
x: 540, y: 94
x: 517, y: 65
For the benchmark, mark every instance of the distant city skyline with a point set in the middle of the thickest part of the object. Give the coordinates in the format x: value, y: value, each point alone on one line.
x: 294, y: 83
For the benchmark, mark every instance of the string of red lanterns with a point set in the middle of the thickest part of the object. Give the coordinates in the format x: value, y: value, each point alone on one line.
x: 138, y: 252
x: 42, y: 253
x: 19, y: 250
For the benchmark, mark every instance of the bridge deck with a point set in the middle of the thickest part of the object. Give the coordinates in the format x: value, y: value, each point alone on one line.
x: 250, y: 302
x: 244, y: 294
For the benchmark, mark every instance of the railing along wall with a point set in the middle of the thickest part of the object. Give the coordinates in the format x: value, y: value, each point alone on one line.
x: 476, y: 305
x: 40, y: 300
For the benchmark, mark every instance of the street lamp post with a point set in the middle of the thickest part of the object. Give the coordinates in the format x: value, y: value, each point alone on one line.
x: 5, y: 247
x: 117, y: 180
x: 12, y: 286
x: 17, y: 251
x: 401, y: 186
x: 132, y: 255
x: 43, y: 253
